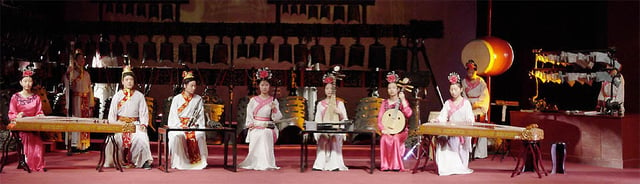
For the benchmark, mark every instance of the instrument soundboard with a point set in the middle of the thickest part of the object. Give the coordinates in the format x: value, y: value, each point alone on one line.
x: 531, y: 132
x: 69, y: 124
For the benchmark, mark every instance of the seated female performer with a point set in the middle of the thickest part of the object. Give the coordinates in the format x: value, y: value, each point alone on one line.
x: 329, y: 151
x: 392, y: 145
x: 452, y: 152
x: 26, y: 104
x: 261, y: 111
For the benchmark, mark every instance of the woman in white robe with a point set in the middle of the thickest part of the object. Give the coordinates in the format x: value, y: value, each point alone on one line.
x: 452, y: 152
x: 129, y: 105
x: 261, y: 111
x: 188, y: 149
x: 329, y: 146
x: 476, y: 91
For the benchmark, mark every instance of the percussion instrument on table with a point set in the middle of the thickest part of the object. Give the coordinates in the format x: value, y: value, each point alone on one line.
x: 214, y: 111
x: 367, y: 114
x: 293, y: 107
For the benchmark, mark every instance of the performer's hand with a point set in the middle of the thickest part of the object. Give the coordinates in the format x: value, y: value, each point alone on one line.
x: 40, y: 115
x: 401, y: 95
x: 385, y: 131
x: 20, y: 115
x: 434, y: 121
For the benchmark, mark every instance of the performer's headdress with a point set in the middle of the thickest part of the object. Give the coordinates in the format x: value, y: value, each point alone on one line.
x: 328, y: 78
x: 454, y: 78
x: 27, y: 71
x: 77, y: 52
x: 392, y: 77
x: 187, y: 75
x: 126, y: 70
x: 263, y: 74
x: 471, y: 64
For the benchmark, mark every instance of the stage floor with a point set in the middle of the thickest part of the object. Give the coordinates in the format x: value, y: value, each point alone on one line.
x: 80, y: 168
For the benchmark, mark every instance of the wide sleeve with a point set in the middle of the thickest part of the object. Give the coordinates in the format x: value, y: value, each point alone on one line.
x: 319, y: 109
x: 484, y: 99
x: 468, y: 112
x: 92, y: 102
x: 143, y: 110
x: 342, y: 111
x: 251, y: 106
x: 113, y: 108
x: 277, y: 115
x: 173, y: 121
x: 200, y: 117
x: 38, y: 106
x: 13, y: 108
x: 444, y: 113
x: 621, y: 93
x: 406, y: 108
x: 383, y: 108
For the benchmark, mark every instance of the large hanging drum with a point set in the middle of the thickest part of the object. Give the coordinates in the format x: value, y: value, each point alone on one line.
x: 492, y: 55
x: 367, y: 114
x: 293, y: 107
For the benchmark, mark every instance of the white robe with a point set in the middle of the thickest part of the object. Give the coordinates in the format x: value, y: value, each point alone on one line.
x: 81, y: 85
x: 140, y: 149
x: 177, y: 139
x: 260, y: 139
x: 618, y: 92
x: 329, y: 151
x: 478, y: 93
x: 452, y: 157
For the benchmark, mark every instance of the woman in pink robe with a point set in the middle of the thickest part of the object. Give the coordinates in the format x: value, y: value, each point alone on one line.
x: 392, y: 145
x: 25, y: 104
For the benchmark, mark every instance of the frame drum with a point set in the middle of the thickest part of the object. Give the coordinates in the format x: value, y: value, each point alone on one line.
x: 492, y: 55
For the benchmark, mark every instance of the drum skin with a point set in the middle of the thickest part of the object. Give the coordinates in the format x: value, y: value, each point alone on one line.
x: 492, y: 55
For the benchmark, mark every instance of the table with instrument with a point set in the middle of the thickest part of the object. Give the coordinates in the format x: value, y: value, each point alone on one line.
x: 304, y: 150
x: 163, y: 144
x: 69, y: 124
x: 529, y: 135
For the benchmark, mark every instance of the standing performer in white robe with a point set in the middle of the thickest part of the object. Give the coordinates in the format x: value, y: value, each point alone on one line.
x: 329, y: 151
x: 79, y: 81
x: 188, y: 149
x: 261, y: 111
x: 476, y: 91
x: 452, y: 152
x: 129, y: 105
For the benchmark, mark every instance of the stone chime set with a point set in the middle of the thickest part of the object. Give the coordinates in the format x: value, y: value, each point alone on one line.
x: 143, y: 11
x: 324, y: 12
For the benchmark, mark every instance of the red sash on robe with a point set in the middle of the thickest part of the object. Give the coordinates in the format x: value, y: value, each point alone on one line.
x: 193, y: 152
x: 126, y: 136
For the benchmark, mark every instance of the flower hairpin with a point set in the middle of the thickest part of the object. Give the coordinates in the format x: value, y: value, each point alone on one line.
x: 392, y: 77
x: 27, y: 72
x: 454, y: 78
x: 471, y: 64
x: 328, y: 78
x: 263, y: 74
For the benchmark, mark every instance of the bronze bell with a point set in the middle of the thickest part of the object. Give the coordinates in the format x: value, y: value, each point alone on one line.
x: 167, y: 11
x: 294, y: 9
x: 399, y: 57
x: 324, y: 11
x: 284, y: 51
x: 242, y: 48
x: 337, y: 53
x: 300, y: 51
x: 377, y: 55
x: 116, y: 48
x: 104, y: 47
x: 133, y: 50
x: 141, y: 9
x: 356, y: 54
x: 254, y: 48
x: 166, y: 50
x: 317, y: 53
x: 220, y: 52
x: 285, y: 8
x: 154, y: 11
x: 203, y: 51
x: 149, y: 50
x: 303, y: 9
x: 353, y: 13
x: 129, y: 9
x: 338, y: 13
x: 268, y: 49
x: 185, y: 51
x: 313, y: 11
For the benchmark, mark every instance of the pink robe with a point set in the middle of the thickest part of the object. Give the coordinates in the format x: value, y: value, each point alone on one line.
x: 392, y: 146
x: 31, y: 141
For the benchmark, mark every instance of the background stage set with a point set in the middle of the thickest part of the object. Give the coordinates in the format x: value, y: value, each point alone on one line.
x: 544, y: 64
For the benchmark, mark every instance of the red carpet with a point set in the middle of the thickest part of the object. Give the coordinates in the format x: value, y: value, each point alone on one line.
x: 80, y: 168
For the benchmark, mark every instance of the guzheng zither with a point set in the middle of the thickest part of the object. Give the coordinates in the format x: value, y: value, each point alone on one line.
x: 69, y: 124
x: 531, y: 132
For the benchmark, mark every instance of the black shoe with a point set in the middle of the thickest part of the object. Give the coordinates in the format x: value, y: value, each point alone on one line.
x: 336, y: 169
x: 147, y: 165
x: 314, y: 169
